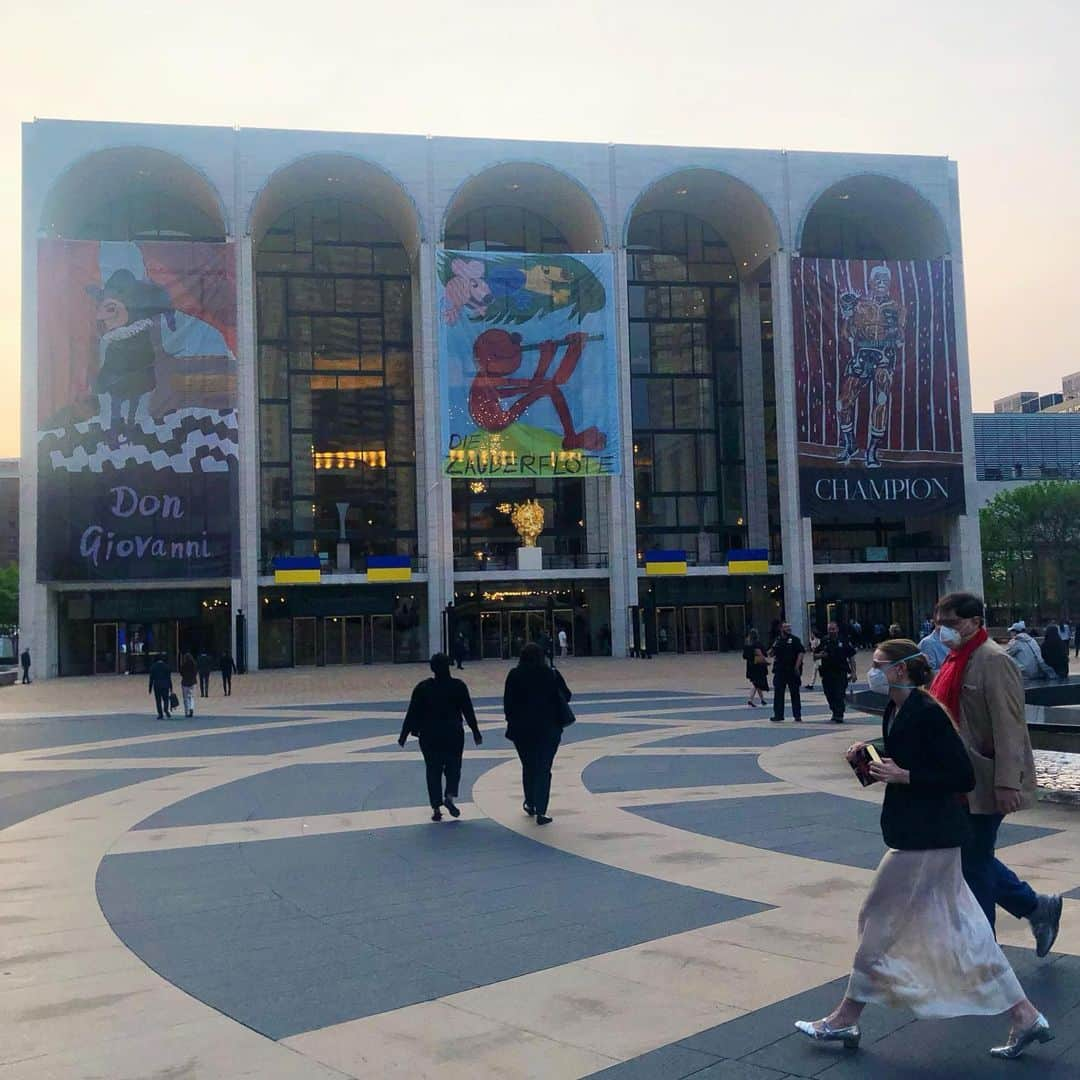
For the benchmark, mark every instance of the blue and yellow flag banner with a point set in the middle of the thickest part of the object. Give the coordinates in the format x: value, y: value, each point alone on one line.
x: 297, y: 570
x: 748, y: 561
x: 528, y: 364
x: 389, y: 568
x: 666, y: 561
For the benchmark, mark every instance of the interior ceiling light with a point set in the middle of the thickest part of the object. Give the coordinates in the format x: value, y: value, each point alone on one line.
x: 843, y: 195
x: 514, y: 187
x: 681, y: 191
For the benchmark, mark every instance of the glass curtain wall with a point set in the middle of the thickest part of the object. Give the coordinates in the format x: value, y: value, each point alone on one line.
x: 336, y: 420
x: 483, y: 534
x: 686, y: 387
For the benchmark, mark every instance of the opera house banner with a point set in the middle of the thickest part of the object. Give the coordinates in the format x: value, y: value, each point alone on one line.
x: 137, y: 425
x: 877, y: 388
x: 528, y: 357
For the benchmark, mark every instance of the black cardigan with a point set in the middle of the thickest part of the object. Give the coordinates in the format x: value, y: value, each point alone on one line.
x: 927, y: 813
x: 437, y: 709
x: 532, y: 700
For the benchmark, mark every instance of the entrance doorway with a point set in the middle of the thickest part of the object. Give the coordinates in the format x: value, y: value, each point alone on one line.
x: 305, y: 642
x: 382, y: 638
x: 701, y: 629
x: 105, y: 649
x: 667, y: 630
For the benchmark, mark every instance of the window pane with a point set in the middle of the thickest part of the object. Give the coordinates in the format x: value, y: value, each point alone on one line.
x: 639, y: 347
x: 399, y: 367
x: 275, y: 497
x: 362, y: 295
x: 688, y: 303
x: 311, y: 294
x: 671, y: 347
x: 271, y: 304
x: 303, y: 467
x: 274, y: 432
x: 334, y: 339
x: 397, y: 310
x: 659, y: 395
x: 731, y: 443
x: 693, y: 403
x: 371, y: 343
x: 674, y: 469
x: 300, y: 401
x: 273, y: 378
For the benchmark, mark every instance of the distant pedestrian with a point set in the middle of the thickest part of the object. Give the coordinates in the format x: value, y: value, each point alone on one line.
x: 1025, y: 651
x: 24, y: 660
x: 932, y: 648
x: 189, y: 673
x: 856, y: 634
x: 787, y: 652
x: 228, y: 669
x: 460, y: 650
x: 205, y: 665
x: 438, y: 708
x: 564, y: 643
x: 535, y: 700
x: 757, y: 668
x: 896, y: 631
x: 1066, y: 633
x: 923, y: 942
x: 1076, y: 639
x: 161, y: 687
x: 1055, y: 651
x: 836, y: 657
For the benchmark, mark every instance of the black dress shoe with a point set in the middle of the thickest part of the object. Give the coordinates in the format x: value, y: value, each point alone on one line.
x: 436, y: 814
x: 531, y: 811
x: 543, y: 819
x: 1045, y: 922
x: 451, y: 807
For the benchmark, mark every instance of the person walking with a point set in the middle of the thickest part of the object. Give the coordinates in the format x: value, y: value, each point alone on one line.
x: 923, y: 942
x: 161, y: 687
x: 535, y: 701
x: 1055, y: 651
x: 564, y: 643
x: 24, y: 660
x: 205, y: 665
x: 460, y: 650
x: 757, y: 668
x: 932, y: 648
x: 1076, y: 640
x: 189, y: 673
x: 436, y: 711
x: 787, y: 652
x: 228, y: 669
x: 981, y: 689
x: 836, y: 657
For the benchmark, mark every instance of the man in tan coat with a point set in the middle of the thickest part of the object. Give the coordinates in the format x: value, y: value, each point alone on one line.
x: 982, y: 689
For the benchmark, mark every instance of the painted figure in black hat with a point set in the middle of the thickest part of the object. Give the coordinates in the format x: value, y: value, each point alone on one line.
x: 126, y: 312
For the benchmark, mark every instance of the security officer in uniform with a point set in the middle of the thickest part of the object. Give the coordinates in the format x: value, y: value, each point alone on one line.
x: 836, y: 657
x: 787, y: 652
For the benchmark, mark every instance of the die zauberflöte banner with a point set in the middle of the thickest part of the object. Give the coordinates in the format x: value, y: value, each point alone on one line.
x: 877, y: 390
x: 137, y: 425
x: 528, y: 364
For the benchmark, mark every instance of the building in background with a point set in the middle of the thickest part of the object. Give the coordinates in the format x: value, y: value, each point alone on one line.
x: 9, y: 511
x: 1022, y: 402
x: 235, y: 408
x: 1030, y: 401
x: 1015, y: 450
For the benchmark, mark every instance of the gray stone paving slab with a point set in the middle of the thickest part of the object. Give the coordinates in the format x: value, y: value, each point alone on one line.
x: 492, y: 699
x: 829, y: 827
x: 775, y: 735
x: 302, y: 790
x: 578, y: 732
x: 703, y: 704
x: 634, y: 772
x: 275, y: 740
x: 894, y: 1045
x: 40, y: 733
x: 26, y: 794
x: 1073, y: 894
x: 292, y: 935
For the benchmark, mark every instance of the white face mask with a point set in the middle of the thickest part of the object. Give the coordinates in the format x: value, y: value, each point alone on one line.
x: 877, y: 680
x: 949, y: 636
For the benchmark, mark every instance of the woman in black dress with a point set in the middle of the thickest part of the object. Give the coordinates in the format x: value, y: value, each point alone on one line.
x: 1055, y: 651
x: 534, y: 700
x: 757, y: 668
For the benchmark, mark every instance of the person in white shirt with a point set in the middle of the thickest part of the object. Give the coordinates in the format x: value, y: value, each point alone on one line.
x: 934, y: 649
x: 564, y: 649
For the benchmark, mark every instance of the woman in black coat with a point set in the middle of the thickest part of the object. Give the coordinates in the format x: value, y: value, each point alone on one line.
x: 436, y: 712
x: 534, y: 700
x: 924, y: 942
x: 1055, y: 651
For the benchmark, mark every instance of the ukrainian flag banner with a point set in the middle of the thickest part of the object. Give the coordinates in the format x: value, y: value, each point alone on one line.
x: 297, y: 570
x: 665, y: 561
x: 748, y: 561
x: 389, y: 568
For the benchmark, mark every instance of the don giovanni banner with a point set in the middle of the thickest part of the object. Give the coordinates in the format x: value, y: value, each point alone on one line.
x: 528, y: 364
x: 877, y: 393
x: 137, y: 429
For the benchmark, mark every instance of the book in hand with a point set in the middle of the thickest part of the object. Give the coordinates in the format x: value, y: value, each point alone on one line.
x: 861, y: 761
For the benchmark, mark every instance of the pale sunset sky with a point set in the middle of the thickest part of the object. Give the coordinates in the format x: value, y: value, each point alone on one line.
x: 993, y: 84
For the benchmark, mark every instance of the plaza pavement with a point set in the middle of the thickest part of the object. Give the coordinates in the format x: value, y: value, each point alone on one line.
x: 258, y: 892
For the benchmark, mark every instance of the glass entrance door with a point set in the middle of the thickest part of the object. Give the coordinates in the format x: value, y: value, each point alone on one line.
x: 734, y: 625
x: 105, y: 652
x: 382, y: 638
x: 334, y: 640
x: 701, y: 626
x: 305, y: 642
x: 491, y: 635
x: 667, y: 630
x: 354, y: 639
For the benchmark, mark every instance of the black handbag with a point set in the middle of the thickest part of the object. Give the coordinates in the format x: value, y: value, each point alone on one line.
x: 566, y: 714
x: 174, y: 701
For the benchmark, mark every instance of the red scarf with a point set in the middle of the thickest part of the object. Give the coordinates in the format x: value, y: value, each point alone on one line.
x: 949, y: 681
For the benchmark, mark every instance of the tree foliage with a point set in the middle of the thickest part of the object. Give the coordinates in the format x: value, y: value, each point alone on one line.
x: 1031, y: 549
x: 9, y: 595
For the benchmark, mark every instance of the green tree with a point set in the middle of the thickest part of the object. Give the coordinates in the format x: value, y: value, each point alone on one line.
x: 1031, y: 548
x: 9, y: 595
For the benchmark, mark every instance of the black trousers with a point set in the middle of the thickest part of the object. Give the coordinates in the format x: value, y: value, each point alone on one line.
x: 25, y: 675
x: 161, y: 700
x: 204, y: 684
x: 835, y: 684
x: 443, y: 759
x: 786, y: 680
x: 537, y: 756
x: 226, y: 683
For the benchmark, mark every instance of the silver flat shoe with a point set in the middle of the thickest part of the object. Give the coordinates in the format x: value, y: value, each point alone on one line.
x: 821, y: 1032
x: 1038, y: 1031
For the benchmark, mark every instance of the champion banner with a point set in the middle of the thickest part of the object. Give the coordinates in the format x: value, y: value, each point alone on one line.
x: 528, y: 364
x: 137, y: 427
x: 877, y: 391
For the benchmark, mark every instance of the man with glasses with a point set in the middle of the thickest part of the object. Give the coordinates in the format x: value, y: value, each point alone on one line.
x: 982, y: 690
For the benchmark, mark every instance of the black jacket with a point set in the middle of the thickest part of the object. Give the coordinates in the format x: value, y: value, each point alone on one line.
x: 437, y: 709
x: 204, y: 663
x: 228, y: 665
x: 785, y: 651
x: 1056, y: 653
x: 532, y: 700
x: 160, y: 677
x: 927, y: 813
